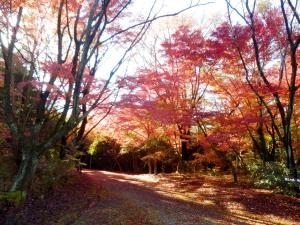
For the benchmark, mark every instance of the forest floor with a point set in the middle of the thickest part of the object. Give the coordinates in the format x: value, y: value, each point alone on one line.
x: 106, y: 198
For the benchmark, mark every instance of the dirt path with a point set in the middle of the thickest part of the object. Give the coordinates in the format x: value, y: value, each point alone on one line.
x: 106, y: 198
x: 143, y: 199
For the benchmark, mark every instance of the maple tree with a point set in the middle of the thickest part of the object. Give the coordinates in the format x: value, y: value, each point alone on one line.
x: 243, y: 110
x: 237, y: 86
x: 171, y: 93
x: 273, y: 37
x: 62, y: 43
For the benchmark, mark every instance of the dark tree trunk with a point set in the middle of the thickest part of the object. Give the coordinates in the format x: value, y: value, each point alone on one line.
x: 262, y: 143
x: 184, y: 150
x: 63, y: 148
x: 185, y: 139
x: 234, y: 174
x: 290, y: 161
x: 118, y: 164
x: 80, y: 133
x: 272, y: 151
x: 260, y: 147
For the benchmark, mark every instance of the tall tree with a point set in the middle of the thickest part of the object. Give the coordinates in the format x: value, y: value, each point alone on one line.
x: 274, y: 37
x: 63, y: 43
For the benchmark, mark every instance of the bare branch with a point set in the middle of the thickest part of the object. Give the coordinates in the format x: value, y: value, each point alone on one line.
x: 152, y: 20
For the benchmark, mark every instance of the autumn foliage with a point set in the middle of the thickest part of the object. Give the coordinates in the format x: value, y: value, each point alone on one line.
x: 223, y: 97
x: 212, y: 99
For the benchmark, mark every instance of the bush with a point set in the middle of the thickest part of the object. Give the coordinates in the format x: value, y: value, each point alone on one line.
x: 5, y: 175
x: 104, y: 153
x: 53, y: 172
x: 185, y: 166
x: 16, y: 197
x: 7, y: 171
x: 271, y: 175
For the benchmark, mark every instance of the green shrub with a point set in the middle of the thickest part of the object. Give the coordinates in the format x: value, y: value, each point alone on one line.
x: 53, y: 172
x: 16, y: 197
x: 212, y: 172
x: 271, y: 175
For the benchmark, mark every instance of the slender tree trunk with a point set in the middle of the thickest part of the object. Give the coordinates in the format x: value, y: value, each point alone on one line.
x: 118, y: 164
x: 234, y: 174
x: 80, y: 133
x: 26, y: 171
x: 63, y: 148
x: 155, y: 166
x: 185, y: 138
x: 274, y: 144
x: 290, y: 161
x: 234, y: 169
x: 149, y: 166
x: 177, y: 167
x: 262, y: 143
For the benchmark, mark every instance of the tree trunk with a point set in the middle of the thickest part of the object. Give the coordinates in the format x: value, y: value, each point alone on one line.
x: 290, y: 161
x: 118, y: 164
x: 63, y: 148
x: 149, y: 166
x: 155, y: 166
x: 80, y: 133
x: 184, y: 153
x: 194, y: 168
x: 177, y: 167
x: 234, y: 174
x: 263, y: 151
x: 26, y: 172
x: 274, y: 144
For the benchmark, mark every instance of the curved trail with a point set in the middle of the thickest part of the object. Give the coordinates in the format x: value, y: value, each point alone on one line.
x: 106, y: 198
x: 135, y: 199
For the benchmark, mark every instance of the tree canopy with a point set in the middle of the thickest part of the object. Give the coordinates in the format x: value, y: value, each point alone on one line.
x: 208, y: 98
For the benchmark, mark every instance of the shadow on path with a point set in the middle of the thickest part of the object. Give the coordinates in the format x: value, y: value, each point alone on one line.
x: 133, y: 199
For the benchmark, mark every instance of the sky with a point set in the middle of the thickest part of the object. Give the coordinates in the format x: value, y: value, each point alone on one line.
x: 208, y: 8
x: 208, y: 14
